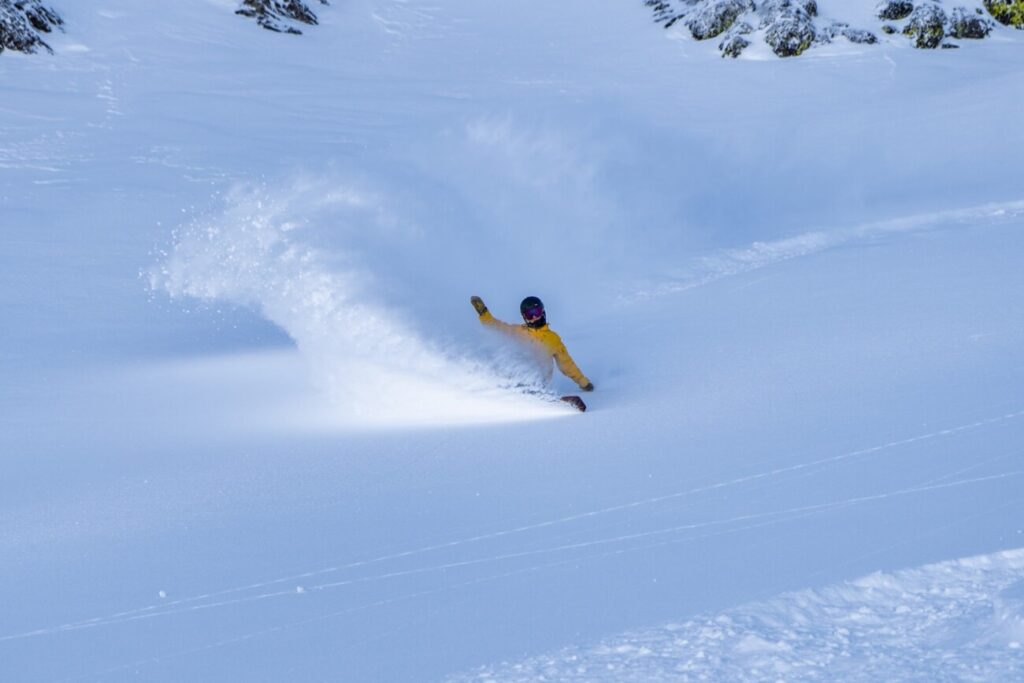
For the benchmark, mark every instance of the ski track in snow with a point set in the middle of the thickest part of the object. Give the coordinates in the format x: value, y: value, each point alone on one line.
x: 730, y: 262
x: 220, y: 599
x: 1014, y: 619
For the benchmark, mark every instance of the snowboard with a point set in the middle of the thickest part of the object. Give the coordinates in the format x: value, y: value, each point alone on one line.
x: 576, y: 402
x: 545, y: 395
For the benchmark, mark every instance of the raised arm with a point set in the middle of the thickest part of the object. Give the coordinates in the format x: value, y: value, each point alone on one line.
x: 487, y: 319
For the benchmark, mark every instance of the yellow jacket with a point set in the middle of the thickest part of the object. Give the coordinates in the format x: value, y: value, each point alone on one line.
x: 546, y: 342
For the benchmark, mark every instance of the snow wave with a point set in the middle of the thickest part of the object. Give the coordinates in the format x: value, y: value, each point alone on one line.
x: 955, y: 620
x: 293, y: 255
x: 729, y: 262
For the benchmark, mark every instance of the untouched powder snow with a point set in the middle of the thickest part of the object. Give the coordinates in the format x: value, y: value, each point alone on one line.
x: 250, y: 428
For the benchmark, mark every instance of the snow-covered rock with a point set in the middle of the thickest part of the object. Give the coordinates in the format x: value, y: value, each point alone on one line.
x: 854, y: 35
x: 664, y: 12
x: 1008, y: 12
x: 966, y: 24
x: 789, y: 27
x: 895, y: 10
x: 713, y: 19
x: 927, y: 26
x: 279, y: 15
x: 733, y: 45
x: 734, y: 42
x: 789, y: 36
x: 22, y: 22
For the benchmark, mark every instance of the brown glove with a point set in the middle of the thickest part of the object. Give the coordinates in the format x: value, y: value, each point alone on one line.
x: 478, y: 304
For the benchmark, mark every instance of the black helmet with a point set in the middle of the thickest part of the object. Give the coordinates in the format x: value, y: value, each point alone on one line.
x: 532, y: 310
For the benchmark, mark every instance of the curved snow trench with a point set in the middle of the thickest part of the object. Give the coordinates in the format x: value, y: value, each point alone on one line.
x: 959, y: 620
x: 728, y: 262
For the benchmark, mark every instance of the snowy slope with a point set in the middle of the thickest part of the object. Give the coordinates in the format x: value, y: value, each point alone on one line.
x: 251, y: 430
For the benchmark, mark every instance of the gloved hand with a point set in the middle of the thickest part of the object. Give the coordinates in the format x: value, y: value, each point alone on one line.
x: 589, y: 387
x: 478, y: 304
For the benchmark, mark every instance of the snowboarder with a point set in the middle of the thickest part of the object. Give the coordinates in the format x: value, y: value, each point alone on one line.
x: 542, y: 338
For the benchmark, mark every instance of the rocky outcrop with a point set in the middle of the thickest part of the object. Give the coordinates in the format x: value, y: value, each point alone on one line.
x: 1008, y: 12
x: 964, y: 24
x: 790, y: 27
x: 895, y: 10
x: 279, y: 16
x: 854, y: 35
x: 714, y: 19
x: 789, y: 36
x: 735, y: 41
x: 22, y: 23
x: 927, y: 26
x: 733, y: 45
x: 664, y: 12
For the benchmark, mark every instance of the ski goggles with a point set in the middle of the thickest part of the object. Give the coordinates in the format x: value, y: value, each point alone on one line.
x: 533, y: 313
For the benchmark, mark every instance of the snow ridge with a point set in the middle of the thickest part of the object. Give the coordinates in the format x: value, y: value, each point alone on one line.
x: 759, y: 255
x: 955, y: 620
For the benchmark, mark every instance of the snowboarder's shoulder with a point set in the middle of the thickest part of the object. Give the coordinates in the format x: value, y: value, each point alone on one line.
x: 548, y: 334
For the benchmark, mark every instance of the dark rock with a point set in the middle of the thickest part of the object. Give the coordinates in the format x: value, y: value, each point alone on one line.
x: 664, y: 12
x: 277, y: 15
x: 21, y: 22
x: 39, y: 15
x: 965, y: 25
x: 950, y: 46
x: 926, y: 26
x: 889, y: 29
x: 894, y: 10
x: 1007, y: 12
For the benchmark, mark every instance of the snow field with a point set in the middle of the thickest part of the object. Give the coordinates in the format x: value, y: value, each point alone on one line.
x: 251, y: 430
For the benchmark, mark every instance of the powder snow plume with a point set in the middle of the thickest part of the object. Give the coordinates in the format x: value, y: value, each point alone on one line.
x: 296, y: 255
